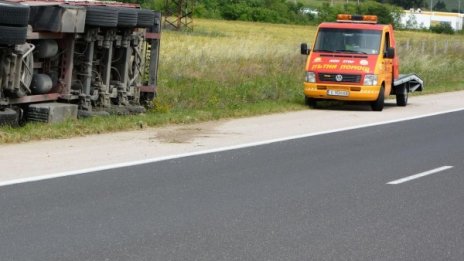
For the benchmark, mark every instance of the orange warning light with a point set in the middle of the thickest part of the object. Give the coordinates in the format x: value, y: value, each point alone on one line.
x: 347, y: 18
x: 343, y: 17
x: 370, y: 18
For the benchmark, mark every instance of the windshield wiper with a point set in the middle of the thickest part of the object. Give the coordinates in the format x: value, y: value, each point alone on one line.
x: 349, y: 51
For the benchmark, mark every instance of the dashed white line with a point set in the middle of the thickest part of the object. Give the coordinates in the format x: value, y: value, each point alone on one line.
x: 420, y: 175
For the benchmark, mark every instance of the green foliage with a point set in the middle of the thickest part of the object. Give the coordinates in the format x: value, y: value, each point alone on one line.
x: 387, y: 14
x: 208, y: 9
x: 151, y: 4
x: 440, y: 6
x: 442, y: 28
x: 270, y: 11
x: 406, y: 4
x: 329, y: 13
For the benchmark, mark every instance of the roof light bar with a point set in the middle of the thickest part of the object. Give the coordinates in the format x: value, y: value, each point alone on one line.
x: 347, y: 18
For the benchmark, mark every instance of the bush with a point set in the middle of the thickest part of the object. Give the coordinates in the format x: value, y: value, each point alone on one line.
x: 442, y: 28
x: 236, y: 11
x: 386, y: 14
x: 270, y: 11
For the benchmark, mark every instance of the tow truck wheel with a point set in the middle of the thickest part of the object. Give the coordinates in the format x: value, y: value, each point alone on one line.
x: 378, y: 104
x: 402, y: 96
x: 311, y: 102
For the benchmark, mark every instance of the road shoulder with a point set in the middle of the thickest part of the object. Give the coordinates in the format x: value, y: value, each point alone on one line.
x: 39, y: 158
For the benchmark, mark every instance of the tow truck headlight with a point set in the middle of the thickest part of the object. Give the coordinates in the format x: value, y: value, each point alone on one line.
x: 310, y: 77
x: 370, y: 79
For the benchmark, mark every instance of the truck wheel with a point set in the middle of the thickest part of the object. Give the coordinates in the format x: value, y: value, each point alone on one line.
x: 101, y: 16
x: 8, y: 117
x: 12, y: 35
x: 378, y: 104
x: 14, y: 14
x: 127, y: 17
x: 311, y: 102
x: 146, y: 18
x: 402, y: 96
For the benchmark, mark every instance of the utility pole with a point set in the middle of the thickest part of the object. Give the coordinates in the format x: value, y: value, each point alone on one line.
x: 178, y: 14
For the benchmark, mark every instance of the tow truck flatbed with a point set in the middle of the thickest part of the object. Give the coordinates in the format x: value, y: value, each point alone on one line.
x: 411, y: 81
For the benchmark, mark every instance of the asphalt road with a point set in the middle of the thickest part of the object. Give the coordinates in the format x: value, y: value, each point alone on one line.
x: 324, y: 197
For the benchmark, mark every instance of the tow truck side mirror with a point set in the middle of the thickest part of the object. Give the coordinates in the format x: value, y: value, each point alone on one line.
x: 304, y: 49
x: 390, y: 53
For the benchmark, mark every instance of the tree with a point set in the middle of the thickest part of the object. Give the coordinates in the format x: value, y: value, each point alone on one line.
x: 406, y: 4
x: 440, y: 6
x: 272, y: 11
x: 386, y: 14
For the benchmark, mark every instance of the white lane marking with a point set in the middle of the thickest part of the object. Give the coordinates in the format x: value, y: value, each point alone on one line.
x: 240, y: 146
x: 420, y: 175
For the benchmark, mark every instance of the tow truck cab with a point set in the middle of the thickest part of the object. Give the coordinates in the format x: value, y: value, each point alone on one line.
x: 354, y: 59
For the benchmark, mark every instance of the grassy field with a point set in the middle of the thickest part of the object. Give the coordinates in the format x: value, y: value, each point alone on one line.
x: 234, y: 69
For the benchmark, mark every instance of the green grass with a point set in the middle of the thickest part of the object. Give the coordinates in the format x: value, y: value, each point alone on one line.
x: 235, y: 69
x: 438, y: 59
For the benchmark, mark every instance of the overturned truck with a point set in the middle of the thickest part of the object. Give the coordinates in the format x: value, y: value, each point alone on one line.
x: 64, y: 58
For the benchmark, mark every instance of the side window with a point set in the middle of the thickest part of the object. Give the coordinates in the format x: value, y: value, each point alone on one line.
x: 387, y: 42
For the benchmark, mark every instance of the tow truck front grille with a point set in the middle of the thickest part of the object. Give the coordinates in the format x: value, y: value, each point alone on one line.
x: 330, y: 77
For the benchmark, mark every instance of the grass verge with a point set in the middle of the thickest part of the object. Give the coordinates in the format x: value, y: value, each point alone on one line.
x: 235, y: 69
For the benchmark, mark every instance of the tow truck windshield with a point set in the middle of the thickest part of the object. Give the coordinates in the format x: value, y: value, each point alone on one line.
x: 334, y: 40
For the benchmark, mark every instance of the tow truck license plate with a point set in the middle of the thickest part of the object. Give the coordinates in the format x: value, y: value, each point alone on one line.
x: 338, y: 93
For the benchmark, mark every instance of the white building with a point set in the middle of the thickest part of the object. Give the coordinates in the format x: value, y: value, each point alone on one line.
x: 424, y: 19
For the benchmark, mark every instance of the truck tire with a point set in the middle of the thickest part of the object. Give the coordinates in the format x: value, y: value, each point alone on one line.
x: 145, y: 18
x: 14, y: 14
x: 127, y: 17
x: 101, y: 16
x: 402, y: 96
x: 378, y: 104
x: 8, y: 117
x: 12, y: 35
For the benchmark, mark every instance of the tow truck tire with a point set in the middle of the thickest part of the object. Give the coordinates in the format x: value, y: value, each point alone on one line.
x: 401, y: 96
x: 378, y: 104
x: 14, y: 14
x: 8, y: 117
x: 311, y: 102
x: 11, y: 35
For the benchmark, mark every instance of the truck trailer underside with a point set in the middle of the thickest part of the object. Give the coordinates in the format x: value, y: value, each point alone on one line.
x: 93, y: 57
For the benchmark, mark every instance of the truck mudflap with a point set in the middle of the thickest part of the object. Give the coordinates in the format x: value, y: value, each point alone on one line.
x: 409, y: 83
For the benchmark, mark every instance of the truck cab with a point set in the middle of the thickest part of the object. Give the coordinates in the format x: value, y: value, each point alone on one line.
x: 354, y: 59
